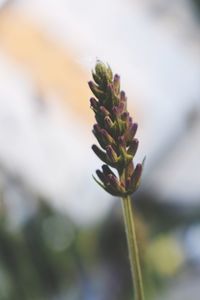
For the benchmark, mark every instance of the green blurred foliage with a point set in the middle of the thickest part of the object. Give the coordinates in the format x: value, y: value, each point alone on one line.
x: 49, y: 257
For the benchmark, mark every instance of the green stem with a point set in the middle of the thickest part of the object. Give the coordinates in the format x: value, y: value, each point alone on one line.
x: 133, y: 248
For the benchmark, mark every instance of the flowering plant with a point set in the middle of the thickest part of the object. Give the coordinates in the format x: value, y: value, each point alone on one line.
x: 115, y: 131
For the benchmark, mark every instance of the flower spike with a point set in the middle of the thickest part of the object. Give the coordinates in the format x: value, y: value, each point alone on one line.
x: 115, y: 132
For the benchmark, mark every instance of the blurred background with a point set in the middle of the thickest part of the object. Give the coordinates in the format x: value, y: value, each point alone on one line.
x: 61, y: 236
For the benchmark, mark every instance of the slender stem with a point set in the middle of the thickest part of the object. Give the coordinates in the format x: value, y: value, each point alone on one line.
x: 132, y: 248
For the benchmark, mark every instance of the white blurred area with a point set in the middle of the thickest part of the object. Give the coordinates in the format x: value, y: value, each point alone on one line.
x: 154, y: 46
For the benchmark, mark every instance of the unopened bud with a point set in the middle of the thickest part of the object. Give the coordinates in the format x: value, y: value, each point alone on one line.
x: 94, y: 104
x: 131, y: 131
x: 104, y: 111
x: 116, y: 83
x: 107, y: 170
x: 97, y: 128
x: 112, y: 155
x: 97, y: 131
x: 96, y: 91
x: 107, y: 138
x: 101, y: 154
x: 122, y: 141
x: 108, y: 122
x: 123, y: 96
x: 125, y: 116
x: 135, y: 180
x: 101, y: 176
x: 129, y: 170
x: 96, y: 78
x: 114, y: 182
x: 118, y: 110
x: 133, y: 146
x: 103, y: 73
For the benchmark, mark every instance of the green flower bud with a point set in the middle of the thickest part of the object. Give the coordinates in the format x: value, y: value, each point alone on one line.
x: 96, y: 91
x: 103, y: 73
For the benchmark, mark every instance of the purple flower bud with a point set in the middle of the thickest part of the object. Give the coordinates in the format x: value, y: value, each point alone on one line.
x: 130, y: 121
x: 107, y: 170
x: 122, y: 96
x: 122, y: 141
x: 125, y: 116
x: 128, y: 183
x: 108, y: 122
x: 94, y: 104
x: 112, y: 155
x: 116, y: 83
x: 101, y: 176
x: 117, y: 185
x: 131, y: 131
x: 107, y: 137
x: 101, y: 154
x: 97, y: 128
x: 107, y: 187
x: 129, y: 170
x: 116, y: 78
x: 104, y: 111
x: 118, y: 110
x: 133, y: 146
x: 92, y: 85
x: 97, y: 131
x: 114, y: 182
x: 135, y: 180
